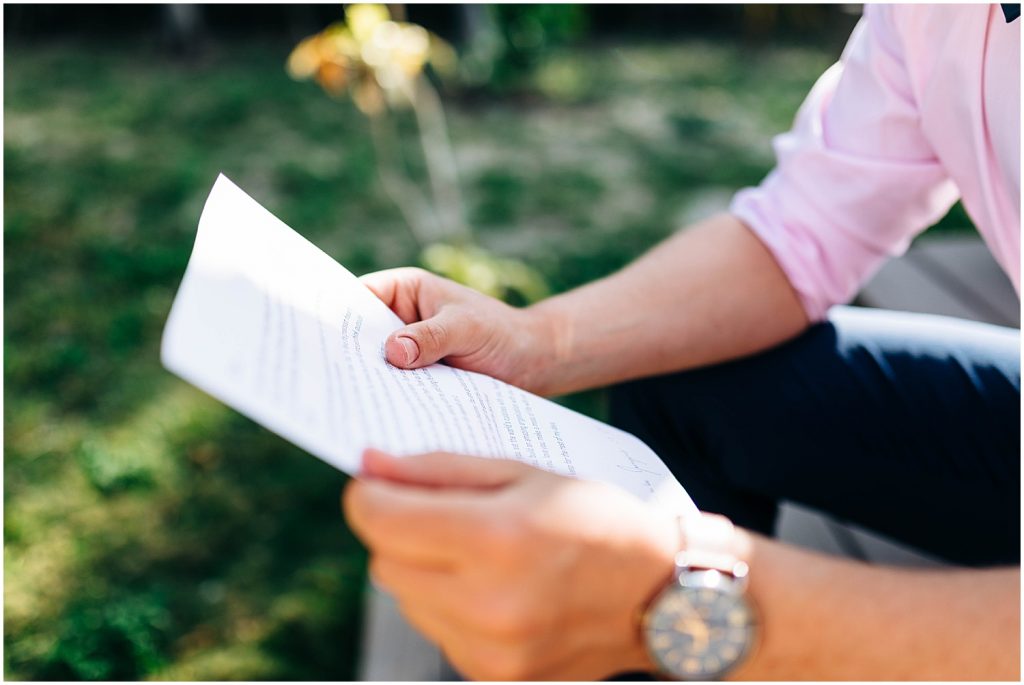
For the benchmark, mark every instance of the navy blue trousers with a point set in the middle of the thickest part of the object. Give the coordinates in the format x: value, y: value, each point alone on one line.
x: 906, y: 424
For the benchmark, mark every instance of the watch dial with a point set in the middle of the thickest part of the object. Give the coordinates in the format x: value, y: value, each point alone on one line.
x: 698, y: 633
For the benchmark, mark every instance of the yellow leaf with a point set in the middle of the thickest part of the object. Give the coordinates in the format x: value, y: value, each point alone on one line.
x: 305, y: 59
x: 442, y: 56
x: 362, y: 20
x: 339, y: 41
x: 332, y: 77
x: 368, y: 97
x: 411, y: 49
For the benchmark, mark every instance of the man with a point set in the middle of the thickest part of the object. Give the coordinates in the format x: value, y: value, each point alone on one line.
x: 752, y: 390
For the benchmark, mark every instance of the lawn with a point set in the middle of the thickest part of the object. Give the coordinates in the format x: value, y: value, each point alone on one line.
x: 152, y: 533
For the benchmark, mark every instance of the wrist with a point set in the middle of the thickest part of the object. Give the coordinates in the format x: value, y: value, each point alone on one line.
x: 708, y: 585
x: 545, y: 347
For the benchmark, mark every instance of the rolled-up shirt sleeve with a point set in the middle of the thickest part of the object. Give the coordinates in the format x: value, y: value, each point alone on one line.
x: 855, y: 178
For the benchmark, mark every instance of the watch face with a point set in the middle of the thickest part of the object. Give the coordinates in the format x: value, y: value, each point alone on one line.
x: 699, y: 628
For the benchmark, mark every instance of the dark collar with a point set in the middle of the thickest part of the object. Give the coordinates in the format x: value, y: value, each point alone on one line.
x: 1011, y: 11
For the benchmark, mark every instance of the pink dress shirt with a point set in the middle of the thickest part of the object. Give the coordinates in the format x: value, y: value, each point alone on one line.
x: 922, y: 108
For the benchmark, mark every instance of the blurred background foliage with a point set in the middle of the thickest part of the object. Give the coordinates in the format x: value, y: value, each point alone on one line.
x: 150, y: 532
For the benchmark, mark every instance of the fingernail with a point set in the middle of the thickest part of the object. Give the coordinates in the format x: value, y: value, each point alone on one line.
x: 411, y: 349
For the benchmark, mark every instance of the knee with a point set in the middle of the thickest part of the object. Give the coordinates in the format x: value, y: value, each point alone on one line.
x: 690, y: 420
x: 670, y: 413
x: 638, y: 406
x: 627, y: 402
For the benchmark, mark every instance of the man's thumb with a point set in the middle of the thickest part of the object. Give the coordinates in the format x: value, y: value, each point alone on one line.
x: 420, y: 344
x: 441, y: 469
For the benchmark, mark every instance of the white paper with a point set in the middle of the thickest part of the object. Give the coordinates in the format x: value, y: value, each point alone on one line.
x: 269, y: 324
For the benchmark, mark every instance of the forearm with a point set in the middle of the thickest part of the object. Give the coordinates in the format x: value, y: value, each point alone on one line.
x: 831, y: 619
x: 710, y: 293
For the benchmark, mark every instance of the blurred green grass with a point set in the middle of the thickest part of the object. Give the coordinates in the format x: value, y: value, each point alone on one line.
x: 149, y: 531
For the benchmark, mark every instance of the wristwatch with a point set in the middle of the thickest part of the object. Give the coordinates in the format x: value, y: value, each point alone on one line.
x: 702, y: 625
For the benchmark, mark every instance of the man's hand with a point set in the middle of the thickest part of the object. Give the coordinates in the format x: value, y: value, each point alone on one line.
x: 707, y: 294
x: 514, y: 572
x: 468, y: 330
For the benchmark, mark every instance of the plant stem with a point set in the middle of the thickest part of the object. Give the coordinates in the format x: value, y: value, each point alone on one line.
x: 440, y: 160
x: 403, y: 192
